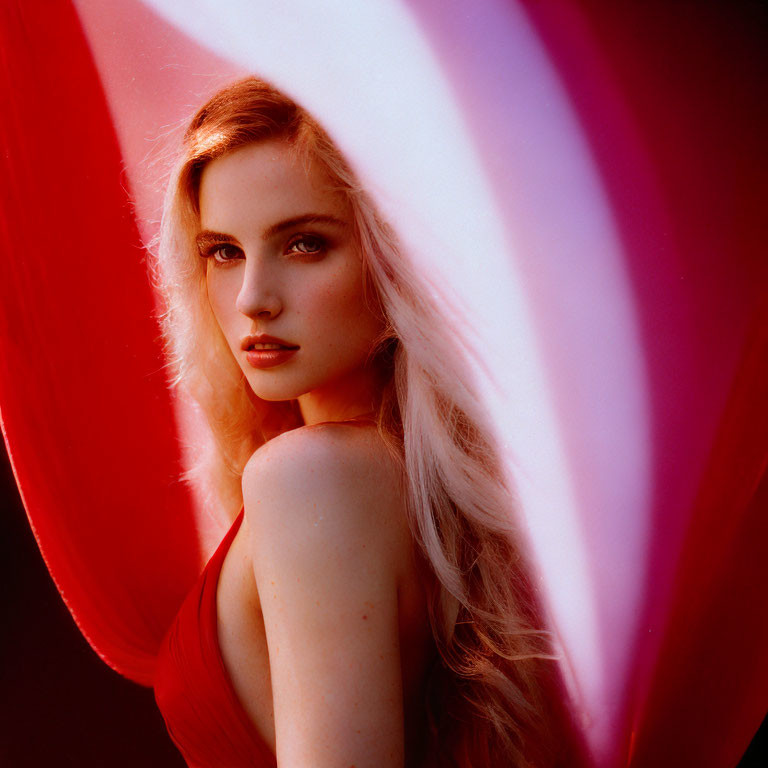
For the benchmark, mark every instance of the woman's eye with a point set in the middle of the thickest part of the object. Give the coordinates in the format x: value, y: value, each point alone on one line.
x: 224, y: 253
x: 308, y: 245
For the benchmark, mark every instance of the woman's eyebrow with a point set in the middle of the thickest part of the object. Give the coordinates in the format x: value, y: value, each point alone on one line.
x: 298, y: 221
x: 206, y: 238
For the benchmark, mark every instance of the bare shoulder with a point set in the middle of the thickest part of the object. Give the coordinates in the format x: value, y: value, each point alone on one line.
x: 344, y: 451
x: 331, y: 481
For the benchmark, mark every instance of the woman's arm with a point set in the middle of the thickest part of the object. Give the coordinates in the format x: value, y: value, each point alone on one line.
x: 324, y: 546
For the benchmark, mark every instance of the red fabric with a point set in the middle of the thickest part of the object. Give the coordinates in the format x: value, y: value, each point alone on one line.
x: 193, y: 689
x: 85, y: 408
x: 712, y: 670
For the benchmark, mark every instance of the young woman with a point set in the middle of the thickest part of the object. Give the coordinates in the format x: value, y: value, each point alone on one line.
x: 369, y: 605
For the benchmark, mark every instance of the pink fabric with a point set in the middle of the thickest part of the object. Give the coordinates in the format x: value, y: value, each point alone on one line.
x: 193, y: 689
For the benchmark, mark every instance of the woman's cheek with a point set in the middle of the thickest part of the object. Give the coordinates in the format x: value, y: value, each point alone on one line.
x: 222, y: 296
x: 332, y: 300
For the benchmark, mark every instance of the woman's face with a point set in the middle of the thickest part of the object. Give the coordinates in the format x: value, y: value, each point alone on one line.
x: 282, y: 262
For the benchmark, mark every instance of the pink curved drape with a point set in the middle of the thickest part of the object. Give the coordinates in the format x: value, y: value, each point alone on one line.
x: 666, y: 109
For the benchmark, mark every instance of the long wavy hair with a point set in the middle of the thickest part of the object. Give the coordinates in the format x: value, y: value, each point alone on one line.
x: 493, y: 698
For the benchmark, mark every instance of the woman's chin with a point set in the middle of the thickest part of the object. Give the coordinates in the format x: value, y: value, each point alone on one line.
x: 275, y: 391
x: 274, y: 395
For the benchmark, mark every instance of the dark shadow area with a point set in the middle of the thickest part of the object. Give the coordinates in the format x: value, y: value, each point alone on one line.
x: 61, y: 704
x: 757, y: 754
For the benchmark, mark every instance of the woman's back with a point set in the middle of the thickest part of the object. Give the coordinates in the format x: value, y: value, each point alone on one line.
x: 349, y: 466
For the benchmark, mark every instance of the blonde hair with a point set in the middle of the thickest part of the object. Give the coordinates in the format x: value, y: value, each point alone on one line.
x: 493, y: 697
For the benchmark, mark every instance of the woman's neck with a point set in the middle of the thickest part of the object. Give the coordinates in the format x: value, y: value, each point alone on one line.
x: 356, y: 396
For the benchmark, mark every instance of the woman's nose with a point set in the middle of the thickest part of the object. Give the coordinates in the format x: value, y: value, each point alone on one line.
x: 259, y: 295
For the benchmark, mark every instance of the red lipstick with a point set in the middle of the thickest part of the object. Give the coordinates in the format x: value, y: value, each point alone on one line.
x: 264, y: 351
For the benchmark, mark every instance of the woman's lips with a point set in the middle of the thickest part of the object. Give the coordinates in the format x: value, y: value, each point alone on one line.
x: 265, y: 351
x: 270, y: 357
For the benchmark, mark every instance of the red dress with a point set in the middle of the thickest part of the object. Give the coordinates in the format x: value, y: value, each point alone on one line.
x: 204, y: 717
